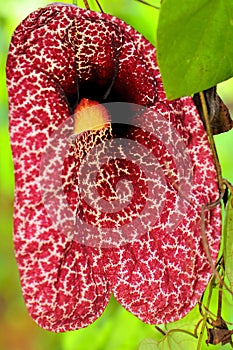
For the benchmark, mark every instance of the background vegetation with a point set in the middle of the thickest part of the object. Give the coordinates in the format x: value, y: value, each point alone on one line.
x: 116, y: 329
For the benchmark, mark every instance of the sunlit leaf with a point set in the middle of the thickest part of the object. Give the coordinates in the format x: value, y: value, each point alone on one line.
x: 175, y: 338
x: 228, y: 240
x: 149, y: 344
x: 172, y: 341
x: 188, y: 322
x: 194, y: 45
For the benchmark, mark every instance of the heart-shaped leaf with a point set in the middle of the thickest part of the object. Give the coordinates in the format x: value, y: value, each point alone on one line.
x: 177, y: 337
x: 172, y: 341
x: 194, y: 45
x: 149, y: 344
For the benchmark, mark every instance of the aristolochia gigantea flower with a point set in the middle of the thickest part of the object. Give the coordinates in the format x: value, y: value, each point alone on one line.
x: 110, y: 176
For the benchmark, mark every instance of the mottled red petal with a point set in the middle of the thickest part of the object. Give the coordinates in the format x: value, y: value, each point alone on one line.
x: 66, y: 285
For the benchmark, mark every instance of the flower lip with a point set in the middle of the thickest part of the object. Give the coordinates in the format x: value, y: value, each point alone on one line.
x: 139, y: 150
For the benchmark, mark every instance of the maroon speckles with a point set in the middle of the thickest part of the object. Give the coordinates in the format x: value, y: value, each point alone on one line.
x: 156, y: 266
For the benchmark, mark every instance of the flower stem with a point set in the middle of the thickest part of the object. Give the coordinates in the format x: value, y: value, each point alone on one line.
x: 211, y: 139
x: 205, y: 316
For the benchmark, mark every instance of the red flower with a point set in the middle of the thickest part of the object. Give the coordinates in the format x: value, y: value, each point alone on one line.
x: 58, y: 56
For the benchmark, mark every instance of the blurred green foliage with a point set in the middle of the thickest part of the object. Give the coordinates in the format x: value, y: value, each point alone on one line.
x: 116, y: 329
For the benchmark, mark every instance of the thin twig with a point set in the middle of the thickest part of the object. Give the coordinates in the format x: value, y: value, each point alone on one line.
x: 160, y: 330
x: 205, y: 317
x: 228, y: 185
x: 206, y: 245
x: 100, y: 7
x: 219, y: 311
x: 221, y: 183
x: 197, y: 326
x: 211, y: 139
x: 86, y: 4
x: 148, y: 4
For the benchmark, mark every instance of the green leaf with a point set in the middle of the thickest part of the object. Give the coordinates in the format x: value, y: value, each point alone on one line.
x: 194, y: 45
x: 175, y: 338
x: 228, y: 241
x: 149, y: 344
x: 172, y: 341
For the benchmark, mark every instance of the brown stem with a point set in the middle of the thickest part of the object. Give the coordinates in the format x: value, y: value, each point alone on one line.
x: 219, y: 312
x: 228, y: 185
x: 148, y: 4
x: 205, y: 317
x: 101, y: 9
x: 206, y: 245
x: 160, y: 330
x: 86, y: 4
x: 221, y: 183
x: 197, y: 326
x: 211, y: 139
